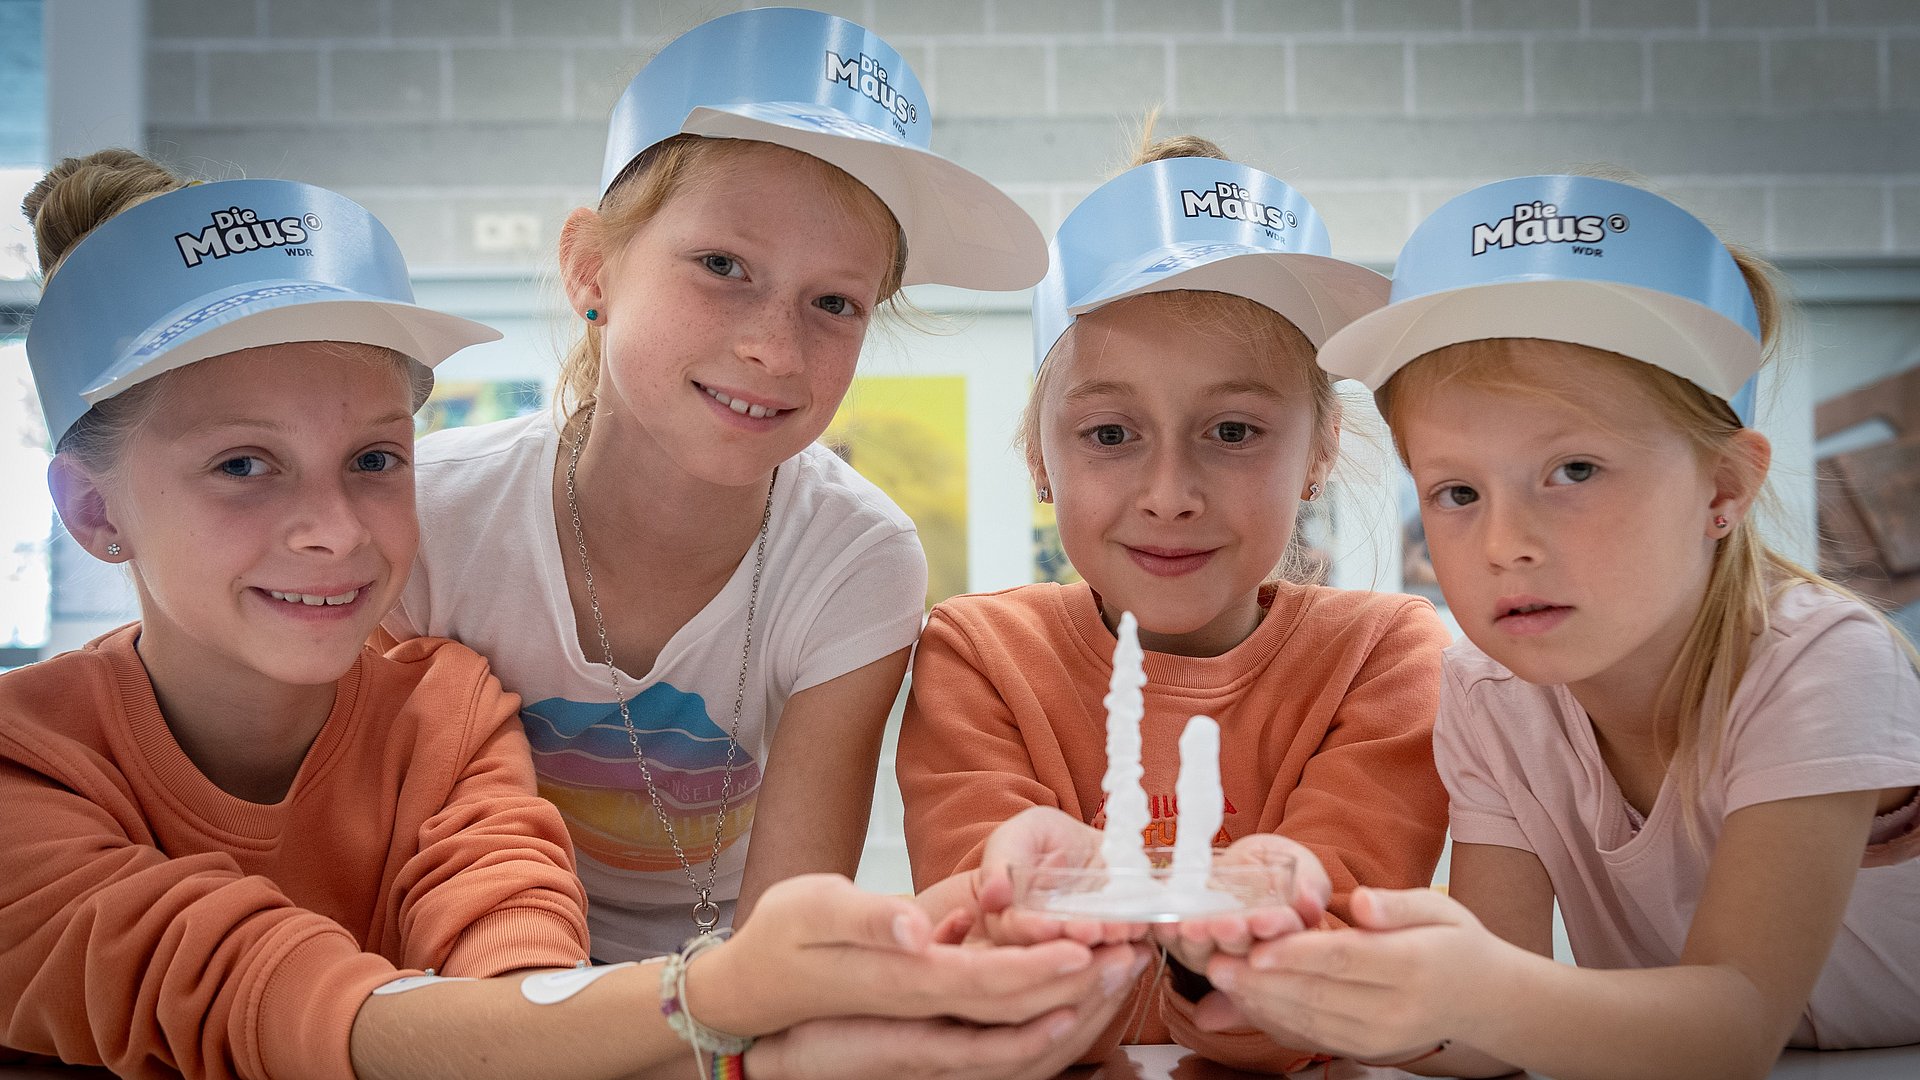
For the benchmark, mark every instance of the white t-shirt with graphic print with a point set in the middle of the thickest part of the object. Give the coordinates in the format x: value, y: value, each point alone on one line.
x: 844, y: 585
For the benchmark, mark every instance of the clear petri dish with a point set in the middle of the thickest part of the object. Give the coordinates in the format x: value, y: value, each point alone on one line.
x: 1153, y: 895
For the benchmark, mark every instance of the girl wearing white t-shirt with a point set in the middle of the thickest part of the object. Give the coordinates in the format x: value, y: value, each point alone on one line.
x: 1705, y: 753
x: 708, y: 615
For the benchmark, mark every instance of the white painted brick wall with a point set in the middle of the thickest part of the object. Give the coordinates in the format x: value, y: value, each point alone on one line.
x: 1793, y: 124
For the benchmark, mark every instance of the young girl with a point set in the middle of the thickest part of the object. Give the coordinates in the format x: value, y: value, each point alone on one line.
x: 1706, y: 754
x: 707, y: 613
x: 236, y: 829
x: 1176, y: 423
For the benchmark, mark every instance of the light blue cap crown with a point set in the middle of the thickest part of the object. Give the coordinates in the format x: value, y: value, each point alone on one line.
x: 1205, y: 224
x: 831, y: 88
x: 1565, y: 258
x: 214, y: 268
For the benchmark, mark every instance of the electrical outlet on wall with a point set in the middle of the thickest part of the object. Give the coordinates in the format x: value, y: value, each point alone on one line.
x: 506, y: 232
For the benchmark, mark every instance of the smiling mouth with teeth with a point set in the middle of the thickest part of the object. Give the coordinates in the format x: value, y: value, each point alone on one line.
x: 314, y: 601
x: 756, y: 411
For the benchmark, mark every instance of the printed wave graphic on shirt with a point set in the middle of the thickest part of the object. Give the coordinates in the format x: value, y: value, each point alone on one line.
x: 586, y: 768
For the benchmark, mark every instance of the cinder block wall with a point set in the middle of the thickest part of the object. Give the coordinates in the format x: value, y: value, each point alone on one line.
x: 1793, y: 125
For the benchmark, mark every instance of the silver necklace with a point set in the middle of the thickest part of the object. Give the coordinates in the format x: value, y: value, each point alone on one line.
x: 706, y: 913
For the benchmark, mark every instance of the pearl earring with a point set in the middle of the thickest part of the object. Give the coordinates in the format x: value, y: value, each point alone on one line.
x: 113, y: 549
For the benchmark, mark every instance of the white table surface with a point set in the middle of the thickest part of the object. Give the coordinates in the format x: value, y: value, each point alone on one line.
x: 1176, y: 1063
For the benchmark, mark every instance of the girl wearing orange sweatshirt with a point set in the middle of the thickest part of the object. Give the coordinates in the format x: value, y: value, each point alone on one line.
x: 1176, y: 423
x: 242, y: 843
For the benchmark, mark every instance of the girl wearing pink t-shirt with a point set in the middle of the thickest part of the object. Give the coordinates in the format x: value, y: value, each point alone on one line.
x: 1706, y: 754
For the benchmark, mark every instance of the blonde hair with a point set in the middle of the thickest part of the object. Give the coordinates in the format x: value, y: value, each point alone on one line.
x: 655, y: 177
x: 1746, y: 573
x: 1283, y: 349
x: 76, y: 197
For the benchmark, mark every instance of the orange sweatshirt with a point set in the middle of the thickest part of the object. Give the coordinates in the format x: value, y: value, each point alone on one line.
x: 1326, y: 736
x: 151, y: 922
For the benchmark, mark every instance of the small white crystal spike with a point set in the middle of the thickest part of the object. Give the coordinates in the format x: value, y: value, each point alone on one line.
x: 1200, y: 804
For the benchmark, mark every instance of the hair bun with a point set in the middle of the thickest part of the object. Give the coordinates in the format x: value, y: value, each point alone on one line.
x: 79, y: 193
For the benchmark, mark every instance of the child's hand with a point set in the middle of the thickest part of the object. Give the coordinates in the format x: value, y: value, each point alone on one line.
x: 851, y: 1048
x: 819, y: 946
x: 1194, y: 941
x: 1040, y: 836
x: 1385, y: 990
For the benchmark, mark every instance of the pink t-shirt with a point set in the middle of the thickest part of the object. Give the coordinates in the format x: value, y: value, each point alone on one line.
x: 1829, y: 703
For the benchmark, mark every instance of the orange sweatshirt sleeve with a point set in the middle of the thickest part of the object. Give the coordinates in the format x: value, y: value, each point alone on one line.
x: 492, y: 886
x: 963, y: 765
x: 1369, y: 805
x: 113, y: 953
x: 116, y: 951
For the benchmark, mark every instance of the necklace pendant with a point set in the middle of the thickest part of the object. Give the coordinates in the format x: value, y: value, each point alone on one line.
x: 706, y: 914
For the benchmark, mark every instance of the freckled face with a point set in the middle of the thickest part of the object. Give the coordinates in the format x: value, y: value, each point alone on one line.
x: 1176, y: 463
x: 270, y: 479
x: 735, y: 316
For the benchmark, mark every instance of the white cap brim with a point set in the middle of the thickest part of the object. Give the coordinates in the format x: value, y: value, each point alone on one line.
x: 960, y: 229
x: 1316, y: 293
x: 422, y: 335
x: 1693, y: 341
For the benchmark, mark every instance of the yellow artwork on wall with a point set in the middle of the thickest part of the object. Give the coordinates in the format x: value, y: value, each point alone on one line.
x: 908, y: 434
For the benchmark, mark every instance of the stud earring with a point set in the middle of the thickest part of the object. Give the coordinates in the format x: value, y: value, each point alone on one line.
x: 1719, y: 521
x: 1044, y: 494
x: 592, y: 314
x: 113, y: 549
x: 1313, y: 492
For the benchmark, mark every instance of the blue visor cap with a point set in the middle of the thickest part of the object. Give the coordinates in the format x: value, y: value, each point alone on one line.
x: 1565, y: 258
x: 1206, y: 224
x: 215, y: 268
x: 831, y: 88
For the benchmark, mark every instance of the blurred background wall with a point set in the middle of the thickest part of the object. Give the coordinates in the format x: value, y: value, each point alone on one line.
x: 471, y: 127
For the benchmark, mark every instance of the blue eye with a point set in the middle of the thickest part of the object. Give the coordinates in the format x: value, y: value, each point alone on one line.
x: 1109, y: 434
x: 376, y: 461
x: 1574, y: 472
x: 242, y: 466
x: 1454, y: 496
x: 723, y: 265
x: 1233, y: 431
x: 835, y: 305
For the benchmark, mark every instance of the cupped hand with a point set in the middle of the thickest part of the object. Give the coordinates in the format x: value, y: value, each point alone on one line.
x: 1037, y: 837
x: 818, y: 946
x: 862, y: 1047
x: 1194, y: 941
x: 1389, y: 987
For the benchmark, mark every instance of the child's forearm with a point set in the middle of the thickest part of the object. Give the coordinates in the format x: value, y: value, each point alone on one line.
x: 487, y: 1028
x: 1570, y: 1023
